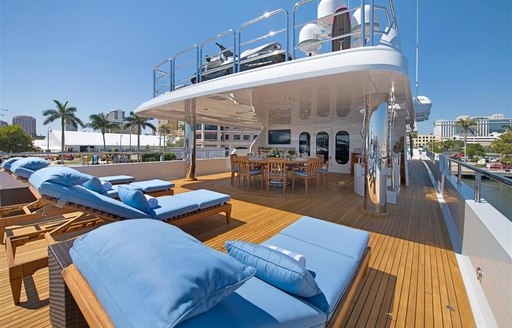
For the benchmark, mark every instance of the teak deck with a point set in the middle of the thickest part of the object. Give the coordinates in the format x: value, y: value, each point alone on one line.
x: 413, y: 279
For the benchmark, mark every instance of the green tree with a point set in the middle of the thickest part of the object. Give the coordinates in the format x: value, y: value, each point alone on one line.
x: 65, y: 115
x: 475, y: 150
x: 141, y: 123
x: 100, y: 122
x: 467, y: 125
x: 503, y: 144
x: 164, y: 129
x: 14, y: 139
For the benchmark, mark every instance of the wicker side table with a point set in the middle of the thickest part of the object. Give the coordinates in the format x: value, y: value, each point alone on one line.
x: 64, y: 311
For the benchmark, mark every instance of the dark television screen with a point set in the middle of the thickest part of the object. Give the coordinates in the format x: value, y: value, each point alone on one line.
x: 279, y: 137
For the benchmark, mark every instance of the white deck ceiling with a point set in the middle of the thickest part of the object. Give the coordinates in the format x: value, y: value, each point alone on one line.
x: 320, y: 88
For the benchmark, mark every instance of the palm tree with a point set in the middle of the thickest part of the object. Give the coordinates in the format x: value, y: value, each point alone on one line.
x: 141, y: 123
x: 467, y: 125
x: 66, y: 116
x: 164, y: 129
x: 100, y: 122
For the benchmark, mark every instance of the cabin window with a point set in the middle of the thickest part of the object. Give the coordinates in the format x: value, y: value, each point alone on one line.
x: 342, y: 147
x: 304, y: 144
x: 322, y: 145
x: 210, y: 127
x: 247, y: 137
x: 226, y: 137
x: 210, y: 136
x: 236, y: 137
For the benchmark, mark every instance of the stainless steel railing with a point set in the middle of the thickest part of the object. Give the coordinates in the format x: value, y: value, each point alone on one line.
x: 445, y: 166
x: 164, y: 74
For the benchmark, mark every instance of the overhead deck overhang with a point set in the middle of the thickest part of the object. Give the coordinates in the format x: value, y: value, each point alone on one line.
x: 339, y: 81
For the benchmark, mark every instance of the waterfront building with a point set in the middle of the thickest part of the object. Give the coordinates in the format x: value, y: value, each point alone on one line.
x: 488, y: 128
x: 3, y: 123
x: 424, y: 139
x: 28, y: 123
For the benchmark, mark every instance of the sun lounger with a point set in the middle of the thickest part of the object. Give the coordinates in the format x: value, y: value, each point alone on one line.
x: 60, y: 188
x: 336, y: 256
x: 154, y: 187
x: 118, y: 179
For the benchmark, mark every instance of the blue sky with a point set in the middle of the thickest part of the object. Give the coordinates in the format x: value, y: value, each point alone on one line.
x: 98, y: 54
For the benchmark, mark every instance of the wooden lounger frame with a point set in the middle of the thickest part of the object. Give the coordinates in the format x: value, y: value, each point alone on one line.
x: 77, y: 218
x: 96, y: 316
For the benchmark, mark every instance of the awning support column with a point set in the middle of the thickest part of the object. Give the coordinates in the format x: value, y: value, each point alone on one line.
x: 376, y: 151
x: 190, y: 139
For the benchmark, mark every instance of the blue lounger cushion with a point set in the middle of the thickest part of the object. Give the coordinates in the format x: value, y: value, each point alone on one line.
x: 170, y: 206
x: 94, y: 184
x: 61, y: 175
x: 31, y: 163
x: 153, y: 185
x: 114, y: 191
x: 6, y: 165
x: 204, y: 198
x: 275, y: 268
x: 149, y: 274
x: 258, y: 304
x: 117, y: 179
x: 333, y: 252
x: 82, y: 196
x: 134, y: 198
x: 23, y: 172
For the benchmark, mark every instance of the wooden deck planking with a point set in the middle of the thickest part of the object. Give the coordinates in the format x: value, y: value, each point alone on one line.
x: 413, y: 273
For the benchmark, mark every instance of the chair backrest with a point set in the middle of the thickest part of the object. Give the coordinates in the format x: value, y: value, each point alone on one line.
x: 276, y: 166
x: 243, y: 165
x: 313, y: 166
x: 233, y: 159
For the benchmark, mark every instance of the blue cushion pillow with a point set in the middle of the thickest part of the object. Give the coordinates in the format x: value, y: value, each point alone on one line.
x: 59, y: 174
x: 7, y: 163
x: 147, y: 273
x: 30, y: 163
x: 134, y: 198
x: 276, y: 268
x: 95, y: 185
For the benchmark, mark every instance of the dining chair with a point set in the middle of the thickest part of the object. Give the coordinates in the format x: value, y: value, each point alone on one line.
x: 324, y: 167
x: 245, y: 171
x: 233, y: 159
x: 276, y: 171
x: 310, y: 172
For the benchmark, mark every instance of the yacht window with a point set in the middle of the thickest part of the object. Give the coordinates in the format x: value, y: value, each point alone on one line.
x: 342, y: 147
x: 227, y: 136
x: 247, y: 137
x: 304, y: 144
x: 322, y: 145
x: 236, y: 137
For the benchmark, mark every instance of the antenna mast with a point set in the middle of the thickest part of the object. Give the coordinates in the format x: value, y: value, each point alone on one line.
x: 417, y: 45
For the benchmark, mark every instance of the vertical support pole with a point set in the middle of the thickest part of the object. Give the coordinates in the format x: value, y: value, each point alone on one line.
x: 287, y: 37
x: 459, y: 173
x: 476, y: 187
x: 190, y: 139
x: 154, y: 82
x: 376, y: 150
x: 363, y: 24
x: 372, y: 21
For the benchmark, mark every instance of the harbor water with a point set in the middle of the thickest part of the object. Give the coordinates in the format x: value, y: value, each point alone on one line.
x: 495, y: 193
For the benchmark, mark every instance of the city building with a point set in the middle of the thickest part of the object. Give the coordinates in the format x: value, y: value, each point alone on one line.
x: 424, y: 139
x: 118, y: 116
x: 28, y: 123
x: 3, y: 123
x: 488, y: 128
x: 209, y: 135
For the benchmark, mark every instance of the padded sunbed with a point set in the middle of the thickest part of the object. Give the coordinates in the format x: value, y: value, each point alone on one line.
x: 337, y: 256
x: 154, y: 187
x: 118, y: 179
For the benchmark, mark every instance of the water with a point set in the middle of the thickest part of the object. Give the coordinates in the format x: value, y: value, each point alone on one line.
x: 497, y: 194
